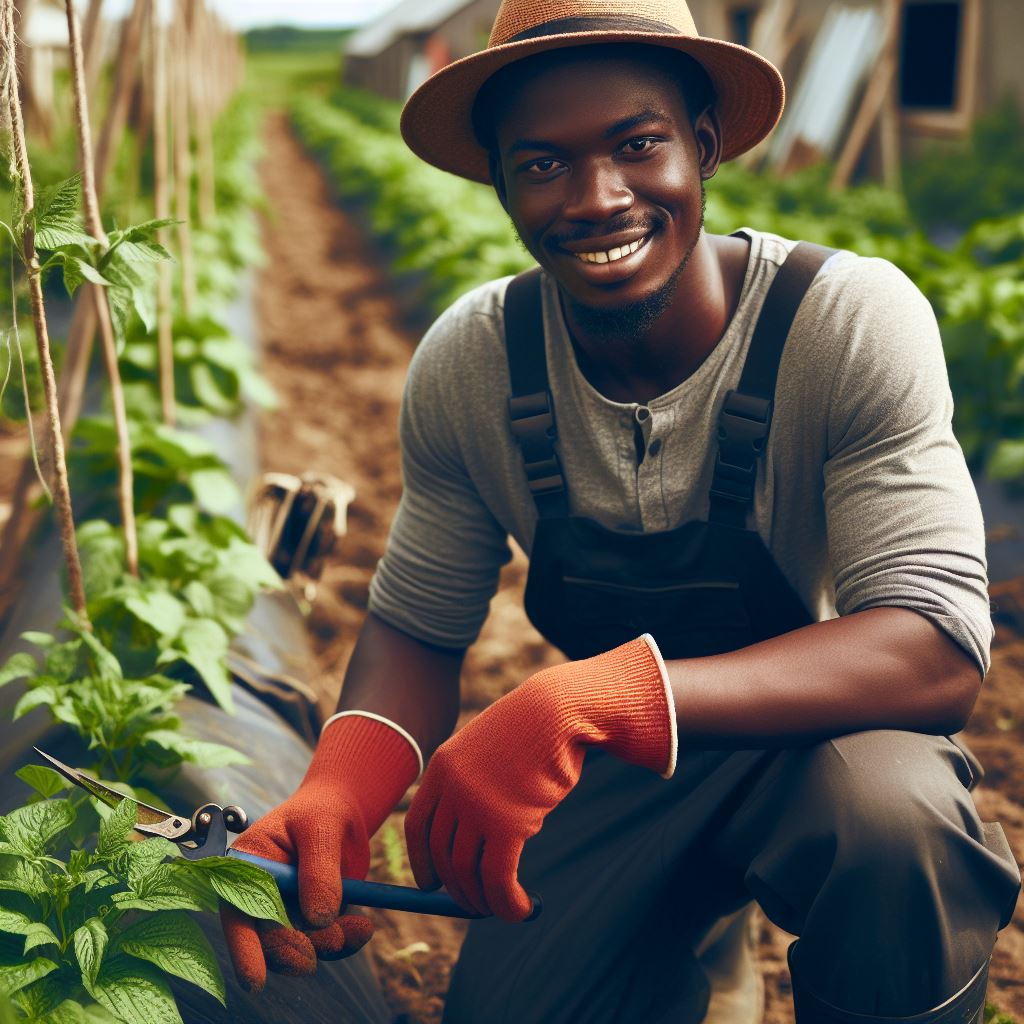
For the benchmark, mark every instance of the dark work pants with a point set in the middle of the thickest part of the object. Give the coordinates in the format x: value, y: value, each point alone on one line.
x: 868, y: 847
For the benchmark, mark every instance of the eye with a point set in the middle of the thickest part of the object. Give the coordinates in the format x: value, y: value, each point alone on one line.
x: 542, y: 168
x: 641, y: 144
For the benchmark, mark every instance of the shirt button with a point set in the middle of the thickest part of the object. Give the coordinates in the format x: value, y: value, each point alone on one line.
x: 642, y: 413
x: 655, y: 446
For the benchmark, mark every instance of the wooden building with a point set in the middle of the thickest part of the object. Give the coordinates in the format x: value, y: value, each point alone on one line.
x: 881, y: 77
x: 401, y: 48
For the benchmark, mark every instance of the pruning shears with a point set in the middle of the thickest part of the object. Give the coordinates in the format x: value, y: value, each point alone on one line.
x: 204, y: 833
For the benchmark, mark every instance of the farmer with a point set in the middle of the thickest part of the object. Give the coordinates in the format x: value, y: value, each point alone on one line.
x: 766, y: 565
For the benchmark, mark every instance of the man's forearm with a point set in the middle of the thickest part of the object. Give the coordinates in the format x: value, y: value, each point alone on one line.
x: 884, y: 668
x: 411, y: 683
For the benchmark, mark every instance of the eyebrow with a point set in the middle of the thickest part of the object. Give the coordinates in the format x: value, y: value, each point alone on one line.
x: 625, y: 125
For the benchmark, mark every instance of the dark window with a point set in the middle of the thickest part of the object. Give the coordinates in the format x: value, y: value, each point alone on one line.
x: 741, y: 24
x: 929, y: 54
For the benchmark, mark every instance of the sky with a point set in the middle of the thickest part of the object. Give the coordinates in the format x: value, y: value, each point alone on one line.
x: 246, y: 13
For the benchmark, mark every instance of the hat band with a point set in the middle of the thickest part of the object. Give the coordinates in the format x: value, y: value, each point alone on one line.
x: 596, y: 23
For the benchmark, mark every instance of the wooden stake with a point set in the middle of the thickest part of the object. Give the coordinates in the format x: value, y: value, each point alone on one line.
x: 61, y: 489
x: 162, y: 209
x: 92, y: 44
x: 183, y: 162
x: 128, y: 58
x: 94, y: 225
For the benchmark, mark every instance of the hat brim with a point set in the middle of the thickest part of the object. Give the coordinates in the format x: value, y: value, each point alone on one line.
x: 437, y: 119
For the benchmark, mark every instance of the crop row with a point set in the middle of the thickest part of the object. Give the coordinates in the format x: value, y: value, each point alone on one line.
x: 90, y: 922
x: 453, y: 235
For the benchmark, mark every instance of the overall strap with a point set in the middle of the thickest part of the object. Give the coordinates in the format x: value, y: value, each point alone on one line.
x: 531, y: 411
x: 746, y: 414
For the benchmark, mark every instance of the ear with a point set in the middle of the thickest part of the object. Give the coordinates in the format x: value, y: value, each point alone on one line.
x: 707, y: 131
x: 498, y: 179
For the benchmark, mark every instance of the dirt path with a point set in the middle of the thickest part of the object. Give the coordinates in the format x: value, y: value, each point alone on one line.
x: 336, y: 351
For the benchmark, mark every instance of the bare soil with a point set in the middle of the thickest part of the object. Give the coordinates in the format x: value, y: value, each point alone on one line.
x: 336, y: 348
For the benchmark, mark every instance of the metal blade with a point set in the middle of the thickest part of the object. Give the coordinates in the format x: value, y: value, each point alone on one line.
x: 150, y: 820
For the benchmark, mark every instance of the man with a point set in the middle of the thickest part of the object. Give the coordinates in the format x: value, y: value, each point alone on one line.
x: 721, y: 735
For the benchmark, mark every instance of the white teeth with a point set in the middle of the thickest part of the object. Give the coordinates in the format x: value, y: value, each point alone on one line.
x: 612, y: 254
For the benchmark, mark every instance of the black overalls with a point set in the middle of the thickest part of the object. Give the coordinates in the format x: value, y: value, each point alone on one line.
x: 634, y: 871
x: 706, y: 587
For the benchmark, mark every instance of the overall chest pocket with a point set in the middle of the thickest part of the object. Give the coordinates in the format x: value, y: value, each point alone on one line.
x: 687, y: 618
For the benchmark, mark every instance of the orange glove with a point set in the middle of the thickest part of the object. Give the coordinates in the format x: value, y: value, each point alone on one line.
x: 359, y: 772
x: 489, y: 787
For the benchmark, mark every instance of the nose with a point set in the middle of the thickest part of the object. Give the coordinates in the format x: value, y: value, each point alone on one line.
x: 596, y: 192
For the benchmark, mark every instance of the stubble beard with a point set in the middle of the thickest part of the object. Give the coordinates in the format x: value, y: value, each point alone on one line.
x: 631, y: 322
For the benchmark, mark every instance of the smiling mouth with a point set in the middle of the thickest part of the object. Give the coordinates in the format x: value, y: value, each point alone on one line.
x: 613, y: 254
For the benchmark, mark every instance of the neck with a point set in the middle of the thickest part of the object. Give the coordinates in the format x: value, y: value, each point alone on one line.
x: 649, y: 361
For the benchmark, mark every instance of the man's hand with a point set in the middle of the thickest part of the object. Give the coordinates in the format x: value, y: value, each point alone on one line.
x: 489, y: 788
x: 360, y: 770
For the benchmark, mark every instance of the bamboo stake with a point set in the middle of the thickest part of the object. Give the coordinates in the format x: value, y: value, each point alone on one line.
x: 131, y: 43
x: 94, y: 225
x: 92, y: 44
x: 203, y: 116
x: 162, y: 209
x: 62, y: 491
x: 183, y: 163
x: 78, y: 350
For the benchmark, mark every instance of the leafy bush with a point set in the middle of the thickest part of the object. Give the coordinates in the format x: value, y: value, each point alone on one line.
x: 977, y: 179
x: 106, y: 926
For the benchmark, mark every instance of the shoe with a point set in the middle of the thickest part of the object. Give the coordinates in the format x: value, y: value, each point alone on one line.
x: 965, y: 1007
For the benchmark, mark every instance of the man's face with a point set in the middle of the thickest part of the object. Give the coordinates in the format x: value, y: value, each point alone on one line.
x: 601, y: 175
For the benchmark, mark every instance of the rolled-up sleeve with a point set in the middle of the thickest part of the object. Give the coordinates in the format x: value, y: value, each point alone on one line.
x: 445, y: 550
x: 904, y: 523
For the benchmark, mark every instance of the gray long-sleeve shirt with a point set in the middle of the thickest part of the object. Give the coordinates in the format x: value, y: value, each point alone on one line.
x: 863, y: 497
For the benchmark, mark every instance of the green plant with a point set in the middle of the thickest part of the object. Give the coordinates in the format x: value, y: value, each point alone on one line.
x: 108, y: 924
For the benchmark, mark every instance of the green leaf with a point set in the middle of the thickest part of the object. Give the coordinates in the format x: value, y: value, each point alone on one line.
x: 107, y: 666
x: 29, y: 829
x: 39, y: 935
x: 201, y: 752
x: 215, y: 490
x: 73, y: 1012
x: 41, y: 998
x: 44, y: 781
x: 59, y: 200
x: 204, y: 644
x: 115, y: 830
x: 16, y: 976
x: 60, y: 232
x: 77, y: 270
x: 199, y: 597
x: 39, y: 639
x: 134, y: 993
x: 32, y: 699
x: 90, y: 945
x: 159, y: 610
x: 176, y: 944
x: 163, y: 889
x: 18, y: 666
x: 243, y: 885
x: 1007, y: 461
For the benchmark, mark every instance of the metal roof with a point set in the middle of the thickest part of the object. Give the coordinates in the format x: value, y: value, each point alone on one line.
x: 405, y: 18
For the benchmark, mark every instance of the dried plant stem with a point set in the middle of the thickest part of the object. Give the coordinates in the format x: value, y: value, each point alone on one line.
x: 162, y: 208
x: 94, y: 225
x: 62, y: 492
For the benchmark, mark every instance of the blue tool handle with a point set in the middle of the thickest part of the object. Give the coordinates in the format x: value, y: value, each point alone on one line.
x: 374, y: 894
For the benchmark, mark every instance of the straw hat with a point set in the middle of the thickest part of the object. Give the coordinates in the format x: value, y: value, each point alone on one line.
x: 437, y: 119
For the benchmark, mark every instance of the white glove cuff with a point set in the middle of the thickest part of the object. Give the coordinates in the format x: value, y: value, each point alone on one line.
x: 401, y: 731
x: 671, y: 703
